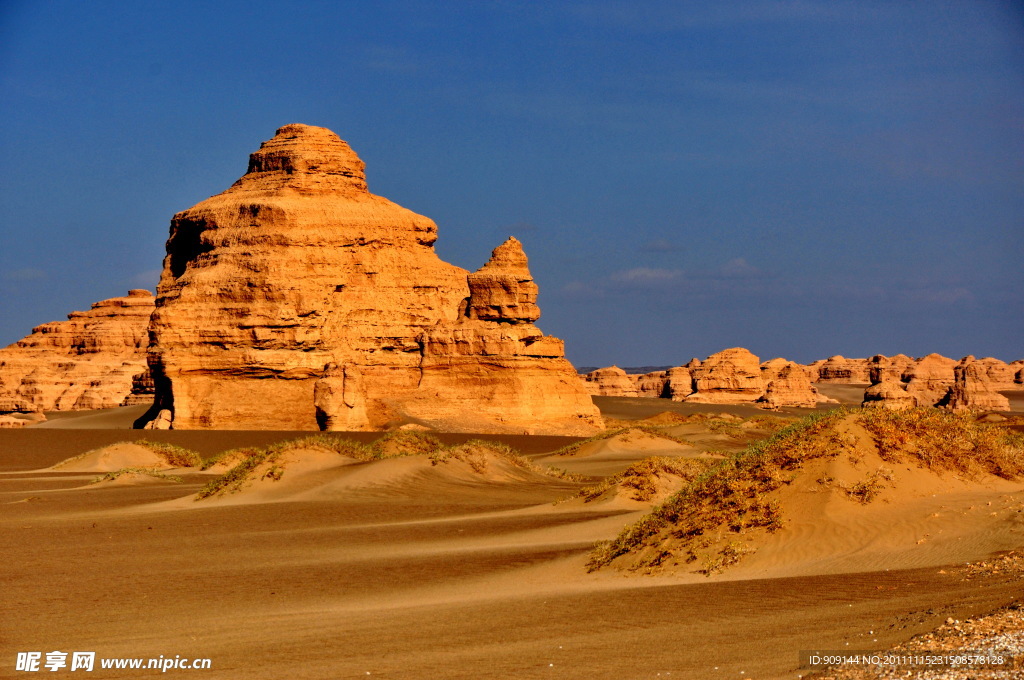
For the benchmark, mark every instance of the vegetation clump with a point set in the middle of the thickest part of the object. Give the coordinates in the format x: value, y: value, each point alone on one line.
x: 943, y: 441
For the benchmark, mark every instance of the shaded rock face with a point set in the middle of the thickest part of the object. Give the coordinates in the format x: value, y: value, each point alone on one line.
x: 789, y: 386
x: 679, y: 382
x: 296, y: 299
x: 611, y: 381
x: 86, y: 362
x: 728, y: 377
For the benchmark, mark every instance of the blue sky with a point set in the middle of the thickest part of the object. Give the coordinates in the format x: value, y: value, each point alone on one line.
x: 802, y: 178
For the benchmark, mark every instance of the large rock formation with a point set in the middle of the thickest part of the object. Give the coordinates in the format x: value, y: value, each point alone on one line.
x: 789, y: 386
x: 889, y: 393
x: 652, y: 385
x: 731, y: 376
x: 882, y: 368
x: 610, y: 381
x: 86, y: 362
x: 997, y: 374
x: 974, y: 388
x: 296, y: 299
x: 929, y: 379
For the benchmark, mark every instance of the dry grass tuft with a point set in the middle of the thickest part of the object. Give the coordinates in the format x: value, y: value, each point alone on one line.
x: 150, y: 472
x: 944, y: 441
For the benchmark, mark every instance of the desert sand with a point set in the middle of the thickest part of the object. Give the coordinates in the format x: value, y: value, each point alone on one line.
x: 449, y: 568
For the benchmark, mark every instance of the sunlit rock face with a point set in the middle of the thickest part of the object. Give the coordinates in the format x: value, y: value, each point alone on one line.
x: 297, y: 299
x: 89, y: 361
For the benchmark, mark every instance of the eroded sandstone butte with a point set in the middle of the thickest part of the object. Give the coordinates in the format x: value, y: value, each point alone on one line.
x: 297, y: 299
x: 86, y: 362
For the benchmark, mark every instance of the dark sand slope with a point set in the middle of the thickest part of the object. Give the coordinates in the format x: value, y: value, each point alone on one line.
x: 418, y: 568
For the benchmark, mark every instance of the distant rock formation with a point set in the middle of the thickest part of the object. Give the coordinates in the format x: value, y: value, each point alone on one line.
x: 974, y: 388
x: 296, y: 299
x: 732, y: 376
x: 610, y: 381
x: 882, y: 368
x: 86, y: 362
x: 679, y: 381
x: 789, y: 387
x: 935, y: 380
x: 839, y: 369
x: 652, y: 384
x: 889, y: 393
x: 929, y: 379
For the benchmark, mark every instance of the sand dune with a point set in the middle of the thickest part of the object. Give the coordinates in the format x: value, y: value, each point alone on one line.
x: 116, y: 456
x: 842, y: 504
x: 468, y: 566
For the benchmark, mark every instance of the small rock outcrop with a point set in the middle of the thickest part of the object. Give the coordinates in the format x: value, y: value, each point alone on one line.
x: 86, y: 362
x: 610, y: 381
x: 728, y: 377
x: 296, y: 299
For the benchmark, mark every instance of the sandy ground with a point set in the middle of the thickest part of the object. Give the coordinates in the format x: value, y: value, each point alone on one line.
x: 404, y: 569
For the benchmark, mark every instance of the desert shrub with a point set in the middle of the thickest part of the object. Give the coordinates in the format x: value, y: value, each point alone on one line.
x: 945, y: 441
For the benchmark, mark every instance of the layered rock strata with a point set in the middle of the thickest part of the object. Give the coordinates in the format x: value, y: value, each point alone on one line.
x: 974, y: 387
x: 789, y: 387
x: 727, y: 377
x: 652, y: 384
x: 297, y: 299
x: 86, y: 362
x: 839, y: 369
x: 889, y: 393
